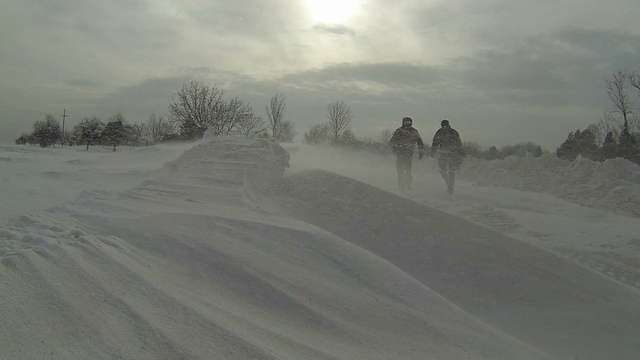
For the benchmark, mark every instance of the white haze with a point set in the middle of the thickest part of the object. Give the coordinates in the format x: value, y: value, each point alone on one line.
x: 171, y: 251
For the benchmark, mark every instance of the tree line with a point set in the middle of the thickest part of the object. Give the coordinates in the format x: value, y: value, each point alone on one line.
x: 90, y: 131
x: 617, y: 134
x: 193, y: 109
x: 197, y: 107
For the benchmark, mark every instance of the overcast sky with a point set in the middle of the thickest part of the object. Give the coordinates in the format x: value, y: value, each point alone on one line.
x: 503, y: 71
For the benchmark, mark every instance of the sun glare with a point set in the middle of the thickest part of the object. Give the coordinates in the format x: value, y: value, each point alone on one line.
x: 332, y: 11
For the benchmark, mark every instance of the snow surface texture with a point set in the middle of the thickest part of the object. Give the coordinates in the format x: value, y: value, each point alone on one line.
x: 612, y: 185
x: 199, y: 252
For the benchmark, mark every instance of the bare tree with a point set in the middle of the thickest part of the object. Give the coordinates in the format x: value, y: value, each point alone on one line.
x: 275, y: 114
x: 617, y: 91
x: 251, y: 125
x: 340, y: 118
x: 634, y: 79
x: 159, y: 128
x: 228, y: 115
x: 193, y: 108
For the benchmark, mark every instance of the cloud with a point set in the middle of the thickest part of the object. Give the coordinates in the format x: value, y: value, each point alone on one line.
x: 487, y: 65
x: 255, y: 19
x: 334, y: 29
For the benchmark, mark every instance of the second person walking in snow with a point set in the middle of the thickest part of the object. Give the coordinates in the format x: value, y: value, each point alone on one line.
x: 403, y: 142
x: 448, y: 147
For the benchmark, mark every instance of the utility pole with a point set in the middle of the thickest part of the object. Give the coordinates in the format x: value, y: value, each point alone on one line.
x: 64, y: 115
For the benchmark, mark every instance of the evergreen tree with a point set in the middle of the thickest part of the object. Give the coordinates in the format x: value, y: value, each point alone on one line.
x: 89, y: 130
x: 114, y: 134
x: 47, y: 132
x: 579, y: 143
x: 190, y: 130
x: 587, y: 145
x: 491, y: 153
x: 627, y: 146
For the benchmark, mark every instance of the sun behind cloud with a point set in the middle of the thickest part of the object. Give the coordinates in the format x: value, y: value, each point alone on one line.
x: 332, y: 11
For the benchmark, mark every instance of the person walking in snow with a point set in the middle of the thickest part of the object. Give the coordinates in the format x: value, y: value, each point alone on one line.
x: 448, y: 146
x: 403, y: 143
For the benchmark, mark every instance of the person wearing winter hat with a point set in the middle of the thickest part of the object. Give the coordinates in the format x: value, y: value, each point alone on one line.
x: 403, y: 143
x: 448, y: 146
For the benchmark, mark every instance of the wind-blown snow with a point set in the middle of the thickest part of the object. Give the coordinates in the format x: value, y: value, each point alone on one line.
x: 191, y: 251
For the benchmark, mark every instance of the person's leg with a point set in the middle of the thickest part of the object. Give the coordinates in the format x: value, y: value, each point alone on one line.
x: 408, y: 177
x: 452, y: 179
x: 443, y: 167
x: 400, y: 169
x: 454, y: 165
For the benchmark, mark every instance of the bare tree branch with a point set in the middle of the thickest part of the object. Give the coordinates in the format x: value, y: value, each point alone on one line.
x: 251, y: 125
x: 340, y: 118
x: 159, y: 128
x: 275, y: 114
x: 229, y: 114
x: 617, y: 91
x: 194, y: 108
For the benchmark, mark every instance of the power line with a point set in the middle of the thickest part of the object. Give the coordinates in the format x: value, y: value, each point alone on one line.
x: 64, y: 115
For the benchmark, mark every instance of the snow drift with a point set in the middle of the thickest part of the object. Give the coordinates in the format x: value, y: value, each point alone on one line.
x: 201, y: 260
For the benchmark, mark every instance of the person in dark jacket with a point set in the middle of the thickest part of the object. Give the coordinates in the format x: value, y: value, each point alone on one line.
x: 448, y: 146
x: 403, y: 143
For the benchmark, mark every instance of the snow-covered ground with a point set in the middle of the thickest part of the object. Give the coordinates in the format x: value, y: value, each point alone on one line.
x: 172, y: 251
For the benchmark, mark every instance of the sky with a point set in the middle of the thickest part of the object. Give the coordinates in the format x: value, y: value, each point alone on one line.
x: 178, y: 251
x: 502, y: 71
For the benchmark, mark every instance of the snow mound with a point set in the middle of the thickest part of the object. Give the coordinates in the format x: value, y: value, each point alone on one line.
x: 612, y: 185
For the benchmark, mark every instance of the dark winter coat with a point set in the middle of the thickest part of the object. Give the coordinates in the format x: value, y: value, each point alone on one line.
x: 404, y: 141
x: 446, y: 140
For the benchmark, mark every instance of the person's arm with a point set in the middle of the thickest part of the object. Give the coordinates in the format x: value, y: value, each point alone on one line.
x: 458, y: 140
x: 420, y: 144
x: 459, y: 145
x: 419, y: 141
x: 393, y: 142
x: 435, y: 143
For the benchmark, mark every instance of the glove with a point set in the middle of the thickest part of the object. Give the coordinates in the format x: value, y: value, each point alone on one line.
x: 420, y: 155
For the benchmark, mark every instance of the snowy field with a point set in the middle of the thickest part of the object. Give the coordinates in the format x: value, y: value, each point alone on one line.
x: 178, y: 252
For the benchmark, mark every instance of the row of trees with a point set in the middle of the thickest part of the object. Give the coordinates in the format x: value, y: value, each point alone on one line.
x: 90, y: 131
x: 196, y: 107
x: 618, y: 132
x: 193, y: 109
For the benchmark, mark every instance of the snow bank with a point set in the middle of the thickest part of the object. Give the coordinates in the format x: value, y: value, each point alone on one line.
x: 186, y: 265
x: 612, y: 185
